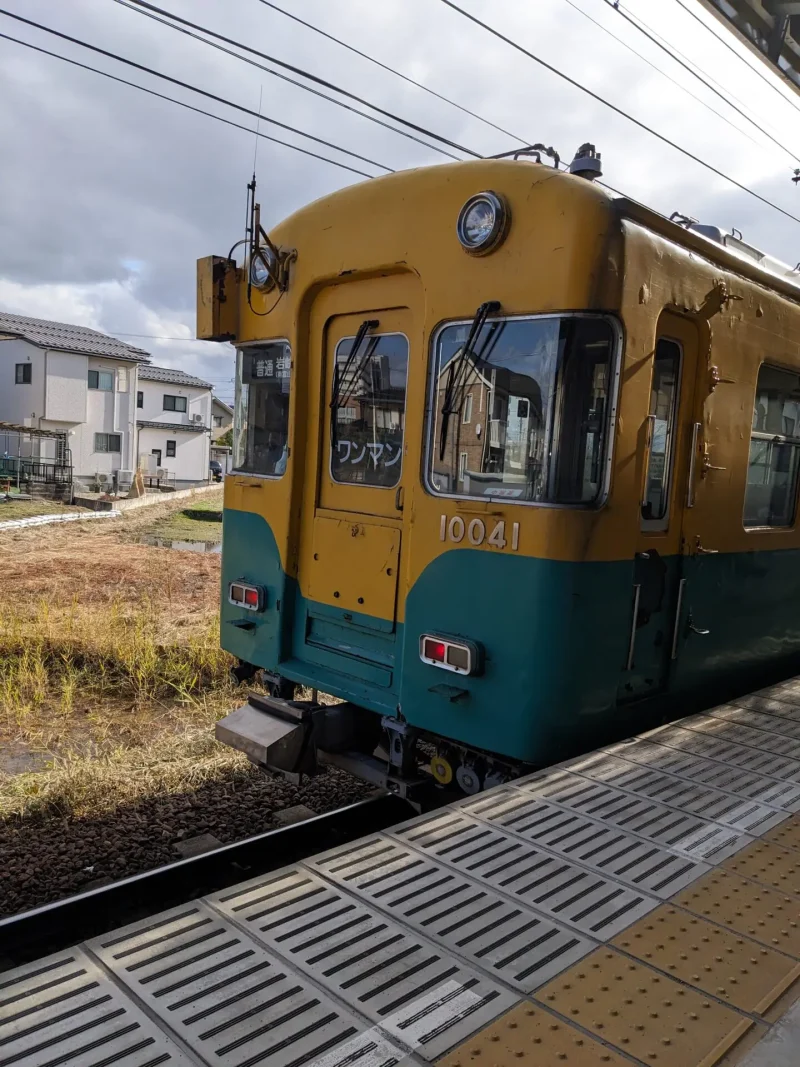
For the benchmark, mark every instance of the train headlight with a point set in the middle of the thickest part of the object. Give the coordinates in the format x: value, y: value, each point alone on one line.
x: 264, y: 269
x: 482, y: 223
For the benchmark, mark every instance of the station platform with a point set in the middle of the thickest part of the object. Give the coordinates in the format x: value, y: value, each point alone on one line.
x: 636, y: 906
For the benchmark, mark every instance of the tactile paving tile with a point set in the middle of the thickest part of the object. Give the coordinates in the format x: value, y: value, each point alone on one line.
x: 786, y: 834
x: 377, y: 967
x: 750, y: 909
x: 673, y: 829
x: 530, y: 1035
x: 593, y: 904
x: 780, y: 703
x: 519, y: 945
x: 635, y: 862
x: 715, y: 960
x: 766, y: 862
x: 758, y: 720
x: 65, y: 1010
x: 693, y: 768
x: 744, y: 735
x: 748, y: 816
x: 649, y: 1016
x: 723, y: 751
x: 223, y: 994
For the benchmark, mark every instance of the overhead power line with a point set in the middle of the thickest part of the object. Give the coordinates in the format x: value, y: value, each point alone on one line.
x: 695, y: 72
x: 191, y: 88
x: 658, y: 70
x: 618, y: 110
x: 739, y: 55
x: 181, y: 103
x: 132, y: 6
x: 391, y: 70
x: 308, y: 75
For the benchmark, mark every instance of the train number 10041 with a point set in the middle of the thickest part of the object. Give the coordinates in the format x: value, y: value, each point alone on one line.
x: 477, y: 532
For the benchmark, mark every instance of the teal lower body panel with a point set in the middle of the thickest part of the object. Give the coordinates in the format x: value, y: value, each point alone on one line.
x: 556, y: 637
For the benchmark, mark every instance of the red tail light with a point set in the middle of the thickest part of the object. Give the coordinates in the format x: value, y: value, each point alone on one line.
x: 461, y: 657
x: 244, y: 595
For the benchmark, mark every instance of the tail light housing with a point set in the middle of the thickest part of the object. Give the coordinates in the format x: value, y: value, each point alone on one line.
x: 451, y: 653
x: 246, y: 596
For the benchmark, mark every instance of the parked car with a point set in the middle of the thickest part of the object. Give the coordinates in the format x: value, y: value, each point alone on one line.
x: 215, y: 470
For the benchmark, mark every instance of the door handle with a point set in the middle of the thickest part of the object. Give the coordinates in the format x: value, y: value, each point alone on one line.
x: 690, y: 626
x: 698, y: 547
x: 398, y: 499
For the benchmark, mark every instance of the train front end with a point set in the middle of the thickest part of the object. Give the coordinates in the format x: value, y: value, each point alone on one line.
x: 417, y: 521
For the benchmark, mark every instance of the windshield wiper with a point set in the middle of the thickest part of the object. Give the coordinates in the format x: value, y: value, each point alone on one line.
x: 339, y: 378
x: 458, y: 364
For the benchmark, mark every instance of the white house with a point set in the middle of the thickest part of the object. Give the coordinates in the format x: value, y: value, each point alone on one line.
x: 221, y: 418
x: 55, y: 376
x: 173, y: 421
x: 104, y: 394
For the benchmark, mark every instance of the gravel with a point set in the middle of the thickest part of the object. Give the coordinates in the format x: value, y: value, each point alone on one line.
x: 46, y: 859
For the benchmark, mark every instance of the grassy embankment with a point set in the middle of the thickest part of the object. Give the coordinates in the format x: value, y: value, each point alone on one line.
x: 110, y: 663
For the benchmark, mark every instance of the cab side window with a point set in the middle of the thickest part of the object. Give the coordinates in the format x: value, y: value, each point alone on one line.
x: 664, y: 392
x: 771, y: 493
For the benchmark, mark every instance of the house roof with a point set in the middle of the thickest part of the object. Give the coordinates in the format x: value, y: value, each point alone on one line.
x: 67, y: 337
x: 150, y: 373
x: 221, y: 403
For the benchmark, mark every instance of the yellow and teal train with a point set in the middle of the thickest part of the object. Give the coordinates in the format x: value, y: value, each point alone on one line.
x: 515, y: 469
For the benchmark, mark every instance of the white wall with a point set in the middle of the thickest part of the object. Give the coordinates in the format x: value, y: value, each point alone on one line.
x: 65, y: 387
x: 190, y: 463
x: 227, y: 420
x: 23, y: 404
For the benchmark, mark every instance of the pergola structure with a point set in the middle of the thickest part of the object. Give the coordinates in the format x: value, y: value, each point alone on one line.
x: 34, y: 460
x: 770, y: 28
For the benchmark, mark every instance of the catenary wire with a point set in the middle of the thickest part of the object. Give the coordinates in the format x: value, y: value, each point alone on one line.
x: 618, y: 110
x: 131, y: 6
x: 698, y: 74
x: 181, y: 103
x: 738, y: 55
x: 391, y: 70
x: 309, y: 76
x: 187, y: 85
x: 658, y: 70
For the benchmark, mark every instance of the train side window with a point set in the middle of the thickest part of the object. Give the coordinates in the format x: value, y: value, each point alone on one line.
x: 770, y: 497
x: 367, y: 440
x: 664, y: 392
x: 261, y: 423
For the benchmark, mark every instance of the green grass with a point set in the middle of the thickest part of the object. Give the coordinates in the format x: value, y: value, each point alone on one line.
x: 196, y: 522
x: 24, y: 509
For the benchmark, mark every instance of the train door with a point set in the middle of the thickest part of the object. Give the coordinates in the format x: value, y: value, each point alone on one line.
x: 352, y: 569
x: 668, y: 440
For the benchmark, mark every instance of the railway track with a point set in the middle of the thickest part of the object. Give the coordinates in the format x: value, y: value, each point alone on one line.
x: 636, y: 906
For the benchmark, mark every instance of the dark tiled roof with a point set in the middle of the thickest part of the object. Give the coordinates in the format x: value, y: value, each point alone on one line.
x: 185, y: 427
x: 168, y: 374
x: 68, y: 338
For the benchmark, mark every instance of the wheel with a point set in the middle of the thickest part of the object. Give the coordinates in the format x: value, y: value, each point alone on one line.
x: 468, y: 779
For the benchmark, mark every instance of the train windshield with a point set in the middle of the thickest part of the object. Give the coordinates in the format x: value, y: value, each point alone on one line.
x: 261, y: 416
x: 530, y: 403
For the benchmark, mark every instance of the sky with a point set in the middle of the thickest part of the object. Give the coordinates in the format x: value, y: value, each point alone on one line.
x: 108, y: 196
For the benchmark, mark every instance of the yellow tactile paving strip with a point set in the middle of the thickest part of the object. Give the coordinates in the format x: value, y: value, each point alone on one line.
x: 714, y: 960
x: 786, y: 833
x: 528, y: 1035
x: 752, y: 910
x: 769, y: 863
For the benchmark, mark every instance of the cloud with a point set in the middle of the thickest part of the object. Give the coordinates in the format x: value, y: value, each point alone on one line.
x: 109, y: 196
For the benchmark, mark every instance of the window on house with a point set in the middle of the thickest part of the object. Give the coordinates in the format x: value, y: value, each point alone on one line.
x: 463, y: 460
x: 217, y: 421
x: 171, y: 448
x: 22, y: 375
x: 101, y: 379
x: 140, y: 399
x: 174, y: 403
x: 107, y: 442
x: 466, y: 416
x: 770, y: 497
